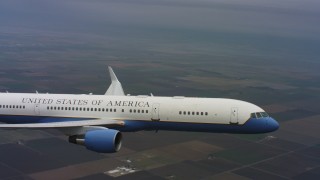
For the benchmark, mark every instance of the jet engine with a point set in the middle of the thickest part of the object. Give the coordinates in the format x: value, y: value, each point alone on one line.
x: 102, y: 141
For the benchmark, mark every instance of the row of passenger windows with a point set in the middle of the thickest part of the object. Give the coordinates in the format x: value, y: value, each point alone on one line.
x: 13, y: 106
x: 138, y: 111
x: 115, y: 110
x: 193, y: 113
x: 112, y: 110
x: 81, y: 109
x: 94, y: 109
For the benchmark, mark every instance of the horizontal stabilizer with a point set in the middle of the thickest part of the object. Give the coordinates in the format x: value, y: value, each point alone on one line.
x: 115, y: 88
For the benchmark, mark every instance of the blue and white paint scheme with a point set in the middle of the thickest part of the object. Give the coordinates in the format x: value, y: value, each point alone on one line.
x: 96, y: 121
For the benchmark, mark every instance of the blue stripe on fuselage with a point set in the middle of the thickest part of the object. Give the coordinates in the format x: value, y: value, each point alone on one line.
x: 250, y: 127
x: 16, y: 119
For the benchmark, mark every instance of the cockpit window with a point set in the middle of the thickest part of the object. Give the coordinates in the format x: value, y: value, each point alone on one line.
x: 259, y: 115
x: 264, y: 114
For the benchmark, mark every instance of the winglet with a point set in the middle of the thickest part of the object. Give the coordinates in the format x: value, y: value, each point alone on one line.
x: 112, y: 74
x: 115, y: 88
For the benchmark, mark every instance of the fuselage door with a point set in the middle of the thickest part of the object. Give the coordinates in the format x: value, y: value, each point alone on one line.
x: 234, y: 116
x: 155, y: 112
x: 37, y: 109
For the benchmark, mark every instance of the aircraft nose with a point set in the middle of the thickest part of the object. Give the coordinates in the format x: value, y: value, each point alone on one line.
x: 272, y: 124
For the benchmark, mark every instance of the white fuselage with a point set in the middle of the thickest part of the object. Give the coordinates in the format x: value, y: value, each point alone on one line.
x: 146, y: 108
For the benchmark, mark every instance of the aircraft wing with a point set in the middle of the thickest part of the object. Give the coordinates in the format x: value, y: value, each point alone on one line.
x: 65, y: 124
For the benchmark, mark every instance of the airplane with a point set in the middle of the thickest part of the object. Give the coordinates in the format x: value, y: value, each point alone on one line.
x: 97, y: 121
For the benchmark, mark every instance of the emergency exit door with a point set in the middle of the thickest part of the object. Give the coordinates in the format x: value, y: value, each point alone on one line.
x: 155, y: 112
x: 234, y: 116
x: 37, y: 109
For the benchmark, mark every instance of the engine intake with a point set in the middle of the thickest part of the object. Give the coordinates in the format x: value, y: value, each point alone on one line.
x: 102, y: 141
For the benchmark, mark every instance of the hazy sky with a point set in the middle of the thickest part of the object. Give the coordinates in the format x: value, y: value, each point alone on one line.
x: 293, y: 18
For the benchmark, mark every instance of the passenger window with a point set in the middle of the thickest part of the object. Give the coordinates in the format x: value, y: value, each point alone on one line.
x: 147, y: 111
x: 201, y: 113
x: 130, y: 111
x: 142, y: 111
x: 99, y: 109
x: 188, y: 112
x: 122, y: 110
x: 114, y: 110
x: 134, y: 111
x: 206, y: 113
x: 192, y: 113
x: 180, y: 112
x: 197, y: 113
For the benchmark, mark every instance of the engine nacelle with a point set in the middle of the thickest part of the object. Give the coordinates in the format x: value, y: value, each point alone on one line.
x: 102, y: 141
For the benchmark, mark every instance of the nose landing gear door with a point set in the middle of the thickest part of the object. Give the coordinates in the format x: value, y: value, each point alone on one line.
x: 234, y: 116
